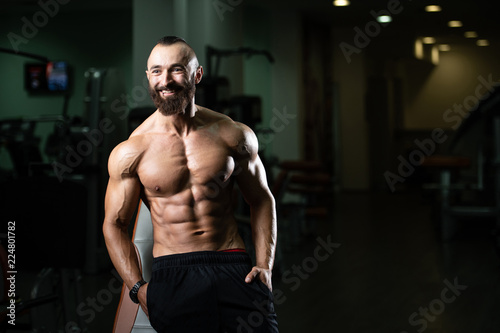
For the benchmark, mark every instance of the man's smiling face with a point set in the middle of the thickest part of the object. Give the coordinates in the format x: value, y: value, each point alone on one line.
x: 172, y: 74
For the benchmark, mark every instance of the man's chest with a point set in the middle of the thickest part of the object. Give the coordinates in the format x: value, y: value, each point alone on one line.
x: 170, y: 166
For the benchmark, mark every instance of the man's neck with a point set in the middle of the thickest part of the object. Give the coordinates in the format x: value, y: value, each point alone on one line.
x: 181, y: 123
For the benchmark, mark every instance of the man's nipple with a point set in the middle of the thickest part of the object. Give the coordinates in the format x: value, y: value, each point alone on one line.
x: 157, y: 188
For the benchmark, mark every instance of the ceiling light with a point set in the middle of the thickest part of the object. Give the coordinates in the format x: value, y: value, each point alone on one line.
x: 470, y: 34
x: 428, y: 40
x: 482, y: 42
x: 384, y: 19
x: 432, y: 8
x: 455, y: 24
x: 444, y: 47
x: 341, y: 3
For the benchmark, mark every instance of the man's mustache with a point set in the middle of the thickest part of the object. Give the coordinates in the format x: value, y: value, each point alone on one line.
x: 170, y: 86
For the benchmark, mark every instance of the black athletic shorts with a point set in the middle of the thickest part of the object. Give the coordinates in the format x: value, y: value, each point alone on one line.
x: 206, y: 292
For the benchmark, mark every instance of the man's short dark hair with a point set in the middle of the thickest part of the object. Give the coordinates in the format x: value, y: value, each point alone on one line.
x: 169, y: 40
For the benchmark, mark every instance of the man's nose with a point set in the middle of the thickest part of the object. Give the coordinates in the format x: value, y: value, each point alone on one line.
x: 165, y: 78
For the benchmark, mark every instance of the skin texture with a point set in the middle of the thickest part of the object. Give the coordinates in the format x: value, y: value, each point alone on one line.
x: 184, y: 166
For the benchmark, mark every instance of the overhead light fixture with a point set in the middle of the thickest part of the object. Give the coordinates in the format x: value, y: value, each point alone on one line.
x: 384, y: 19
x: 455, y: 24
x: 341, y: 3
x: 428, y: 40
x: 470, y: 34
x: 444, y: 47
x: 432, y: 8
x: 482, y: 42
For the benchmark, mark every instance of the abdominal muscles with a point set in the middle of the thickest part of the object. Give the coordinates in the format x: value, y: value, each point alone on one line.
x: 188, y: 221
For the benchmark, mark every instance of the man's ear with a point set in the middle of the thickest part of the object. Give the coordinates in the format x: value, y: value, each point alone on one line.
x: 198, y: 75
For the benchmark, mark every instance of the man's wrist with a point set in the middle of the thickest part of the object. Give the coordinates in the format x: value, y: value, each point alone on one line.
x: 266, y: 266
x: 135, y: 290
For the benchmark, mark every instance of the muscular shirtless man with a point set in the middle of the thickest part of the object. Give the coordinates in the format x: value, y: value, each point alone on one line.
x: 183, y: 162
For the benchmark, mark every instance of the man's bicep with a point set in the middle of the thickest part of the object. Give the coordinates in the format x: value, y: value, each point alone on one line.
x: 122, y: 198
x: 251, y: 177
x: 252, y: 180
x: 123, y: 191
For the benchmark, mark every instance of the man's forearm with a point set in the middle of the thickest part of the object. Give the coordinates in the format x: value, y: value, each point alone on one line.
x: 263, y: 219
x: 123, y: 255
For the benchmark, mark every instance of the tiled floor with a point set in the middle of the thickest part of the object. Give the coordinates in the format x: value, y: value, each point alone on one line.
x: 376, y: 265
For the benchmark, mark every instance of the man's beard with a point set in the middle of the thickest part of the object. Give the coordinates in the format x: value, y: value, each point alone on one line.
x: 176, y: 104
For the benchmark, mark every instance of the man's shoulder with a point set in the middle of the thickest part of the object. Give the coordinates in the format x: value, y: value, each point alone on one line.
x: 125, y: 157
x: 222, y: 121
x: 209, y: 117
x: 132, y: 145
x: 237, y: 135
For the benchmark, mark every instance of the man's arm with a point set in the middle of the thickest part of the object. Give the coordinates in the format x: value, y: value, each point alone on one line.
x: 122, y: 197
x: 252, y: 181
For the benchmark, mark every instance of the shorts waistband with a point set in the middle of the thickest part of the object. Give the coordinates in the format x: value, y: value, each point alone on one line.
x: 201, y: 258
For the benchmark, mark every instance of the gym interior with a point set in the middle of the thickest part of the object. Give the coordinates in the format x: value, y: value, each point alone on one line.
x: 378, y: 124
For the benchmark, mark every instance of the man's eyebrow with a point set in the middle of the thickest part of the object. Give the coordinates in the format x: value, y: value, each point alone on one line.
x: 178, y: 65
x: 171, y: 66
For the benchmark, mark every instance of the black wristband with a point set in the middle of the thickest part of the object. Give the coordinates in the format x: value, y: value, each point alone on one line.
x: 135, y: 289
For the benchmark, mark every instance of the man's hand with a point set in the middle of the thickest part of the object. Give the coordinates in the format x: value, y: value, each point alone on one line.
x: 263, y: 274
x: 142, y: 296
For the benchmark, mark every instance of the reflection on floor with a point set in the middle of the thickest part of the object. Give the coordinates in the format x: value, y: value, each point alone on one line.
x: 376, y: 265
